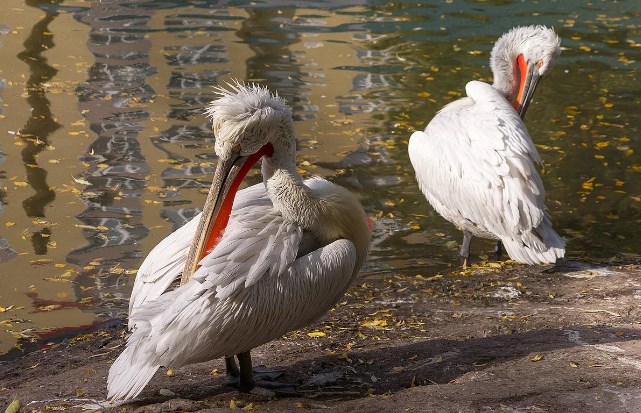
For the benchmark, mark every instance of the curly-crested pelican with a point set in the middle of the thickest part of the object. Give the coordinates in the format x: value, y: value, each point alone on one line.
x: 475, y: 161
x: 259, y: 263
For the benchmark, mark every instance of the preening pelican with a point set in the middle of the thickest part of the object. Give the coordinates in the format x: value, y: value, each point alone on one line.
x: 475, y: 161
x: 267, y: 260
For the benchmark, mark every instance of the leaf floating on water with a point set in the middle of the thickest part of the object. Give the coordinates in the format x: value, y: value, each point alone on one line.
x: 83, y: 226
x: 81, y: 181
x: 13, y: 407
x: 50, y: 307
x: 451, y: 245
x: 41, y: 261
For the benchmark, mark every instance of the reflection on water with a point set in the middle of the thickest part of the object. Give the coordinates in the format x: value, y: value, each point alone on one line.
x: 111, y: 151
x: 40, y: 125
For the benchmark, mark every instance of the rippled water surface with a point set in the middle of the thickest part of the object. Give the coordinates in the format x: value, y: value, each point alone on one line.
x: 105, y: 149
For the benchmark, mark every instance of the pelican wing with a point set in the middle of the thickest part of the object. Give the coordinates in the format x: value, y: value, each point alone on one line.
x: 166, y: 261
x: 475, y: 163
x: 163, y: 265
x: 193, y: 323
x: 257, y: 242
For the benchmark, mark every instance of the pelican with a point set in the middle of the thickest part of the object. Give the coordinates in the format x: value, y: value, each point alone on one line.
x: 255, y: 264
x: 475, y: 161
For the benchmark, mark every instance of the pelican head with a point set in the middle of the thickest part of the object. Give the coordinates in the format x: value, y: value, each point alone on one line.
x: 519, y: 59
x: 249, y: 122
x: 245, y: 118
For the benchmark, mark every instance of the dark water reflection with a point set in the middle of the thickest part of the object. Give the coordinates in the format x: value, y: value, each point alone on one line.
x: 360, y: 78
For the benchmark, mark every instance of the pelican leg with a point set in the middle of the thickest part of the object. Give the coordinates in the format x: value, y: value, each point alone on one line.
x: 231, y: 371
x: 267, y: 388
x: 498, y: 251
x: 260, y: 372
x: 246, y: 379
x: 465, y: 249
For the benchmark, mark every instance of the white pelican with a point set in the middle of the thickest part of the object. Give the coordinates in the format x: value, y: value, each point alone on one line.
x: 475, y: 161
x: 276, y: 260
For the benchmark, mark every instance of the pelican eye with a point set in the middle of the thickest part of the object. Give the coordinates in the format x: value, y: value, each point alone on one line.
x: 539, y: 63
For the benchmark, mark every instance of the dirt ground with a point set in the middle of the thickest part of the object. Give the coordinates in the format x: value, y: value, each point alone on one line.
x: 495, y: 337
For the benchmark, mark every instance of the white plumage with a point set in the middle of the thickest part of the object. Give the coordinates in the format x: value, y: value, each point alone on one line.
x: 289, y: 252
x: 476, y: 163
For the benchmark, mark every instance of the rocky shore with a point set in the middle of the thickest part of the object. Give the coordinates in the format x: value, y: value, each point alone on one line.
x: 494, y: 337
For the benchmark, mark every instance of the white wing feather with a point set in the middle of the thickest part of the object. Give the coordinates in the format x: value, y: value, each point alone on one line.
x: 166, y: 261
x: 192, y: 324
x: 475, y: 163
x: 256, y: 243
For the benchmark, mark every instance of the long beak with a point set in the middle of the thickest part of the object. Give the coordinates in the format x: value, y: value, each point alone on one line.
x: 527, y: 85
x: 217, y: 209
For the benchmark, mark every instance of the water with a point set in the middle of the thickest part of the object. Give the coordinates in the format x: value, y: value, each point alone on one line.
x: 105, y: 149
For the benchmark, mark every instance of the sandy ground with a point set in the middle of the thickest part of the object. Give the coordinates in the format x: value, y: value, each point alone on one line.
x: 496, y: 337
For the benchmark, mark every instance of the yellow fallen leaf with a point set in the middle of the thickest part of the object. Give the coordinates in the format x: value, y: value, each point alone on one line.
x: 170, y: 372
x: 537, y: 357
x: 316, y: 334
x: 375, y: 323
x: 13, y: 407
x: 433, y: 278
x: 9, y: 224
x: 20, y: 183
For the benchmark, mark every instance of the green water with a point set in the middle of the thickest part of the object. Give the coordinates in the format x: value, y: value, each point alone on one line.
x: 106, y: 150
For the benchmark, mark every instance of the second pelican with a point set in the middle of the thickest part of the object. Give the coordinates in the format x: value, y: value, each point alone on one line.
x: 475, y: 161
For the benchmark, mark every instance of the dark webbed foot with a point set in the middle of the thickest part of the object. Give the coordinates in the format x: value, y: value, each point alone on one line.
x: 257, y: 381
x: 263, y: 373
x: 274, y: 389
